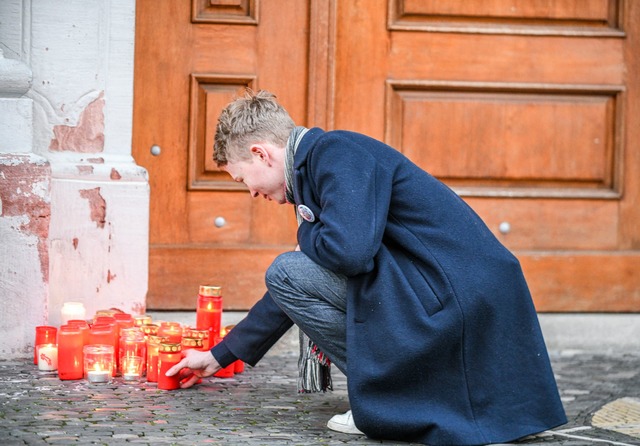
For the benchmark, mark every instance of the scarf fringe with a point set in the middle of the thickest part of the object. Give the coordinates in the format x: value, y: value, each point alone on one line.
x: 314, y: 370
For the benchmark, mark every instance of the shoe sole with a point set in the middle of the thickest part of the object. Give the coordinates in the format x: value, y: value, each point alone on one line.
x: 344, y: 429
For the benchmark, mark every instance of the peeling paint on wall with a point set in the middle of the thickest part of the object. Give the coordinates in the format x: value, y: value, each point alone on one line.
x: 97, y: 205
x: 24, y: 192
x: 85, y: 137
x: 85, y: 170
x: 115, y: 175
x: 110, y: 276
x: 138, y: 308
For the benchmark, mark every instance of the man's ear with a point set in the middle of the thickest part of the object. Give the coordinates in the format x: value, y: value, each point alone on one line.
x: 261, y: 152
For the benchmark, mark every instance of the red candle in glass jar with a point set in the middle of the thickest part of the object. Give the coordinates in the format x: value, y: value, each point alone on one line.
x: 169, y: 354
x: 238, y: 366
x: 45, y: 334
x: 104, y: 334
x: 106, y: 312
x: 195, y: 343
x: 149, y: 329
x: 124, y: 320
x: 84, y: 328
x: 70, y: 357
x: 209, y: 311
x: 153, y: 350
x: 132, y: 345
x: 110, y: 320
x: 192, y: 343
x: 171, y: 332
x: 203, y: 335
x: 228, y: 371
x: 141, y: 320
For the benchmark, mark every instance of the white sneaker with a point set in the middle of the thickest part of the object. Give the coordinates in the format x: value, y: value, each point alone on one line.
x: 343, y: 423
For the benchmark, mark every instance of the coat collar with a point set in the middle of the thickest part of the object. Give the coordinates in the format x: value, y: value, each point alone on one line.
x: 308, y: 141
x: 300, y: 159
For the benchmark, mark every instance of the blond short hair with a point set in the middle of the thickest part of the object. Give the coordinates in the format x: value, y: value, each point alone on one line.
x: 253, y: 118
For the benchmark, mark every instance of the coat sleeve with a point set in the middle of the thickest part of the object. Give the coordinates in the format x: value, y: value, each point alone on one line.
x: 353, y: 190
x: 254, y: 335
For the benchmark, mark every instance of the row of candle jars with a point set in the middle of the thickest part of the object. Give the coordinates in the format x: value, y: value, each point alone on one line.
x: 127, y: 345
x: 99, y: 363
x: 147, y: 348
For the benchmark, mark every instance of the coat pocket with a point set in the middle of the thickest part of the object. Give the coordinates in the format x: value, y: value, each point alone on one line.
x: 419, y: 283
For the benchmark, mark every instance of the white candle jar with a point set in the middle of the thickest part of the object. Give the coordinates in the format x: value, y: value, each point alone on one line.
x: 72, y: 310
x: 98, y: 363
x: 47, y: 357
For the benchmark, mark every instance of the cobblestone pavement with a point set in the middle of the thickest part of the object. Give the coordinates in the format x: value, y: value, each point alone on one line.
x: 261, y: 407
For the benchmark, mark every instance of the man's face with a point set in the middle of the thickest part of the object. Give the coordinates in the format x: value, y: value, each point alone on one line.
x: 261, y: 175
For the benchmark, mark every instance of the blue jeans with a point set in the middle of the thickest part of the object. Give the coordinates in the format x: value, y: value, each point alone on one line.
x: 315, y: 299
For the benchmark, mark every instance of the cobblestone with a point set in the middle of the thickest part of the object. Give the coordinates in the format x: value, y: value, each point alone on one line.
x: 261, y: 407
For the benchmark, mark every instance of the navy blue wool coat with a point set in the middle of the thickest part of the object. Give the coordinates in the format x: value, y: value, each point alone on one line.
x: 443, y: 341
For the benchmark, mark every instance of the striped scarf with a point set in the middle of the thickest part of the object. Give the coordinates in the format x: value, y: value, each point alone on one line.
x: 314, y: 368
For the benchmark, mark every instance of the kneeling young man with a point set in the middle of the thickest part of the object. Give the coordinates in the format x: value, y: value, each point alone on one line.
x: 396, y: 279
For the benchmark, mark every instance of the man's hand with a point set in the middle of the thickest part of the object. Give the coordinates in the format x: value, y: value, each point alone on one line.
x: 194, y: 366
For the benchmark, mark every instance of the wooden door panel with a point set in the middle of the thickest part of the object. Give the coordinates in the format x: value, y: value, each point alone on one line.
x: 488, y: 132
x: 210, y: 93
x: 551, y: 224
x: 205, y: 208
x: 505, y: 58
x: 565, y: 16
x: 583, y: 281
x: 245, y: 220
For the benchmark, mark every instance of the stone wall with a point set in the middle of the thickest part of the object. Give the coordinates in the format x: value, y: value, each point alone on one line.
x: 74, y: 205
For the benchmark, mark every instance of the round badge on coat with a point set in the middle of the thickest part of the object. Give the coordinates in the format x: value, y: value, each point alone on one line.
x: 306, y: 213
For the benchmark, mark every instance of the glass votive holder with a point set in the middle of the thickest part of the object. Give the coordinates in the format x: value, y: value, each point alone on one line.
x: 132, y: 368
x: 70, y: 353
x: 199, y: 334
x: 169, y: 355
x: 132, y: 344
x: 209, y: 310
x: 98, y: 363
x: 72, y: 310
x: 124, y: 320
x: 171, y: 331
x: 105, y: 312
x: 153, y: 349
x: 189, y: 343
x: 45, y: 334
x: 84, y: 329
x: 228, y: 371
x: 149, y: 329
x: 47, y: 357
x: 141, y: 320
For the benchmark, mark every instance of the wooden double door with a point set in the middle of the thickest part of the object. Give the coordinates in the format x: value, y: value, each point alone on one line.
x: 525, y: 108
